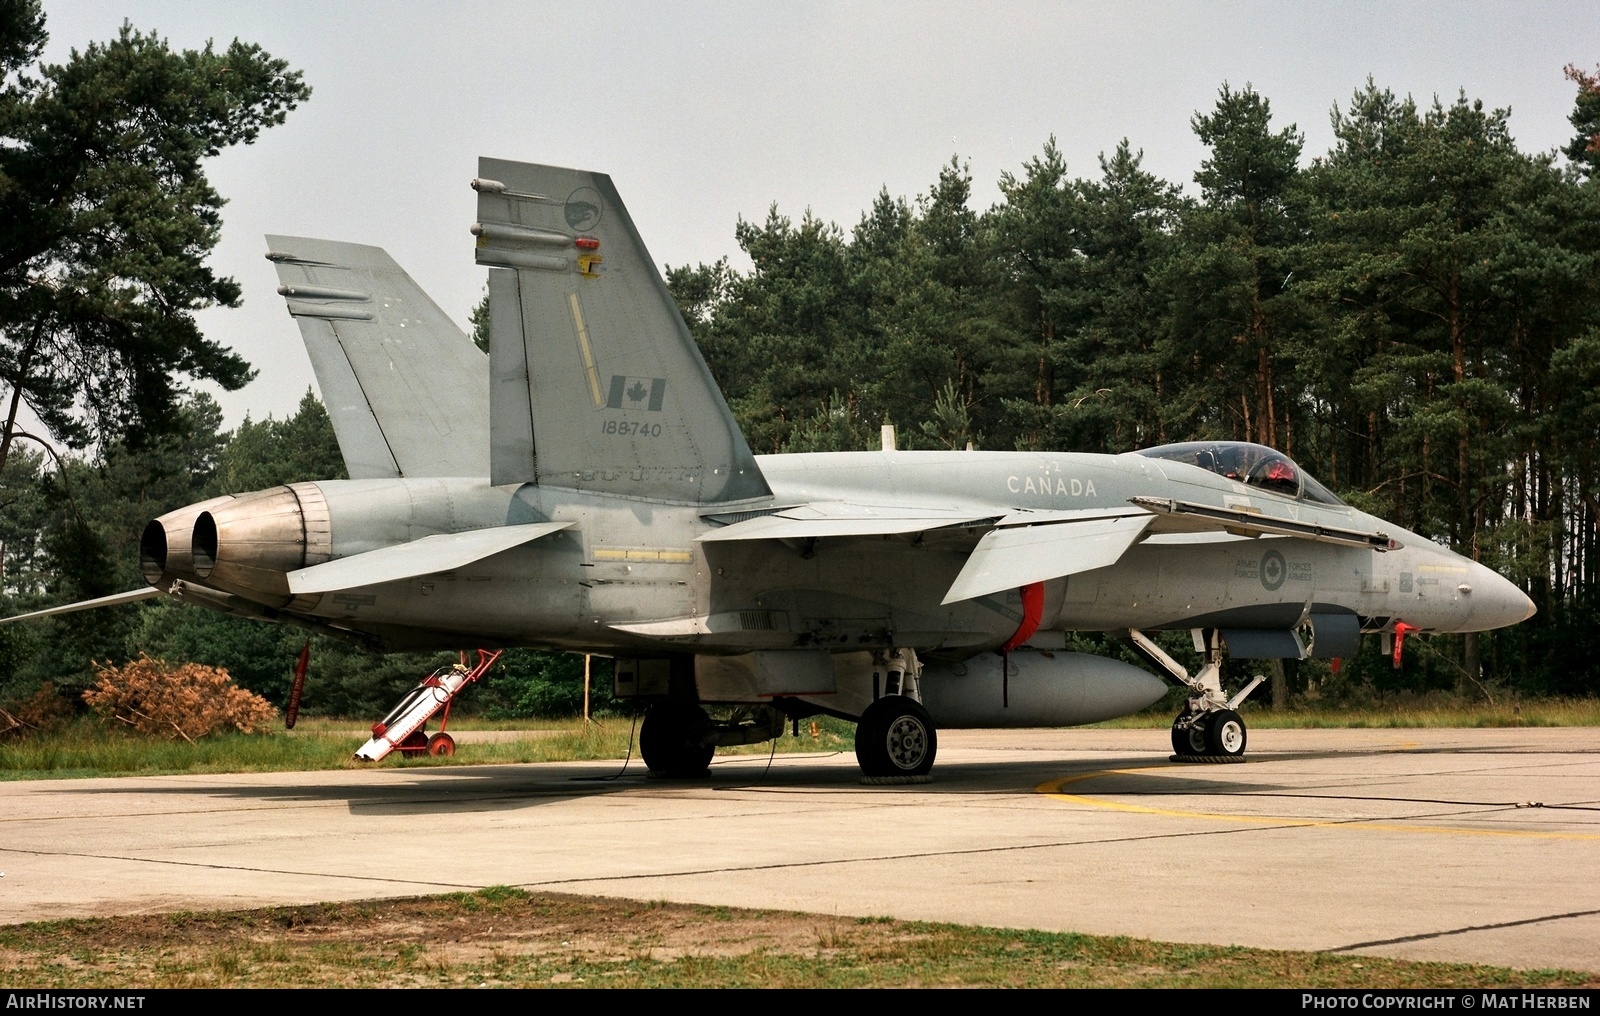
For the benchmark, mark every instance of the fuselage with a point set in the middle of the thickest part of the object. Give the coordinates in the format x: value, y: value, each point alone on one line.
x: 631, y: 575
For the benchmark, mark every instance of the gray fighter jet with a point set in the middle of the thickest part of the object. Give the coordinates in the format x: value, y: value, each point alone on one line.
x: 587, y: 489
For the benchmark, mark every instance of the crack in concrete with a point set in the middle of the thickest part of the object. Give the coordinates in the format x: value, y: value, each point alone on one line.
x: 1425, y: 936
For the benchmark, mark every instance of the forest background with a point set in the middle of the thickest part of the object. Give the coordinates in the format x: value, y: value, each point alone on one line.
x: 1414, y: 316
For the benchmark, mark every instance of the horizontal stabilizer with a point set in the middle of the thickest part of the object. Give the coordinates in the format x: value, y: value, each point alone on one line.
x: 1020, y: 556
x: 406, y: 389
x: 426, y: 556
x: 114, y: 600
x: 838, y: 518
x: 1186, y: 516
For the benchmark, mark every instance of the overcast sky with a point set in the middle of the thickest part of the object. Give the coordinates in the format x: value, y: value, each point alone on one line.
x: 705, y: 112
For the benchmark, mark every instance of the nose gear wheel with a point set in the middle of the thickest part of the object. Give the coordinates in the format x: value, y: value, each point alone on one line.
x: 1216, y: 736
x: 1190, y: 739
x: 1225, y: 734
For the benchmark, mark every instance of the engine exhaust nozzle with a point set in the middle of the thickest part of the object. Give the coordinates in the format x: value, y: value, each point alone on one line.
x: 164, y: 546
x: 249, y: 545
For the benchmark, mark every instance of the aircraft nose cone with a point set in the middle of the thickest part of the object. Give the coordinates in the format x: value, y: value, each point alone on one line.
x: 1496, y: 602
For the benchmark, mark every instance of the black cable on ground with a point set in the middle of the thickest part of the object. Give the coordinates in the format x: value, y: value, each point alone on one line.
x: 618, y: 774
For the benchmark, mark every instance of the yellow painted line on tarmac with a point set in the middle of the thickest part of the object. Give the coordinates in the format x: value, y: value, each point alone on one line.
x: 1053, y: 788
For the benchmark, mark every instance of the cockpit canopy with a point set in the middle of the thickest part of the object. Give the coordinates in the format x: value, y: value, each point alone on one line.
x: 1251, y: 464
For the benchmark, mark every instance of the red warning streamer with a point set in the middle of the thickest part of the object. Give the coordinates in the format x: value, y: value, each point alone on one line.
x: 1032, y: 614
x: 1400, y: 630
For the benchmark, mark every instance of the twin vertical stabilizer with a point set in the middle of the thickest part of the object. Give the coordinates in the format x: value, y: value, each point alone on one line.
x: 596, y: 383
x: 404, y: 386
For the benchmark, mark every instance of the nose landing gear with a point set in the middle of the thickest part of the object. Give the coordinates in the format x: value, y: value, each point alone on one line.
x: 1209, y: 729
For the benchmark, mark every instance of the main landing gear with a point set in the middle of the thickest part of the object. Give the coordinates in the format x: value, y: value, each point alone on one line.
x: 673, y: 741
x: 1209, y: 729
x: 896, y: 741
x: 679, y: 737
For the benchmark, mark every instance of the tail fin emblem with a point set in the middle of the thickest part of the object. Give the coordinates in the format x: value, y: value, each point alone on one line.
x: 582, y: 209
x: 644, y: 393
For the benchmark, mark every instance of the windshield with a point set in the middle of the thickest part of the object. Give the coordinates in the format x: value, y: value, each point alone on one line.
x: 1251, y: 464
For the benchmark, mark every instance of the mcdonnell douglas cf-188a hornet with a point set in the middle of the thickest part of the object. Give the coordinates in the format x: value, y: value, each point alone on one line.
x: 587, y: 489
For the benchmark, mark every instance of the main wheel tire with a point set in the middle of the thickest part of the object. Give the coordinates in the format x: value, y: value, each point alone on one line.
x: 441, y: 744
x: 670, y: 740
x: 896, y: 737
x: 1225, y: 734
x: 1190, y: 740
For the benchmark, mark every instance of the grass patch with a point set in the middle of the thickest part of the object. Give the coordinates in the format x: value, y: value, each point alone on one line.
x: 84, y: 748
x: 503, y: 936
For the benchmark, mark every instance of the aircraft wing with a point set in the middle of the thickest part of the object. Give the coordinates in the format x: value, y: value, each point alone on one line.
x: 838, y: 518
x: 114, y: 600
x: 1187, y: 516
x: 1021, y: 554
x: 426, y: 556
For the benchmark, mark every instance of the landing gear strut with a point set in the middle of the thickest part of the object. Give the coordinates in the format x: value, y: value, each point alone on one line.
x: 1209, y: 729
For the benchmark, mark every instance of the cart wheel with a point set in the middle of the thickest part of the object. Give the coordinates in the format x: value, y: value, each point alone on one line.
x: 441, y: 744
x: 415, y: 743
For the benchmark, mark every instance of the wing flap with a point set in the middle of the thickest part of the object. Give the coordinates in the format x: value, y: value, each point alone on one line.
x: 426, y: 556
x: 1021, y: 555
